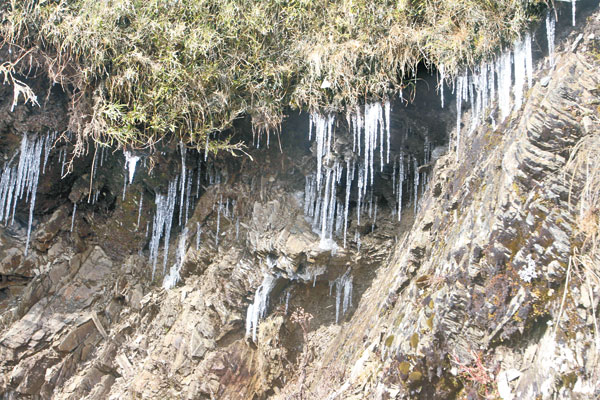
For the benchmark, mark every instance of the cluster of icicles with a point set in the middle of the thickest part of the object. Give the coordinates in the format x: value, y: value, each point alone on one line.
x: 490, y: 82
x: 180, y: 190
x: 257, y: 310
x: 371, y: 152
x: 20, y: 179
x: 496, y: 80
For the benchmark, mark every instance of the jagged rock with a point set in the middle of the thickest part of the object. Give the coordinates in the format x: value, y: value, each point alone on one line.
x: 470, y: 279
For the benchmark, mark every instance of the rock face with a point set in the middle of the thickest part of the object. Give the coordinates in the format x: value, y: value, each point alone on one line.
x: 487, y: 287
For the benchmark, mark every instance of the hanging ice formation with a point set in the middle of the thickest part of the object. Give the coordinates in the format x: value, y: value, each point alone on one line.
x: 343, y: 294
x: 493, y: 81
x: 573, y: 9
x: 370, y: 127
x: 183, y: 180
x: 258, y: 309
x: 131, y: 162
x: 22, y: 178
x: 441, y: 85
x: 172, y: 278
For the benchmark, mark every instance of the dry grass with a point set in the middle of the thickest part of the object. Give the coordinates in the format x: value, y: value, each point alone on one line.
x: 138, y: 71
x: 583, y: 174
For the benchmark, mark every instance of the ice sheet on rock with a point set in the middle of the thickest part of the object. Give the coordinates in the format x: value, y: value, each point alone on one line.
x: 172, y: 278
x: 343, y: 294
x: 258, y: 309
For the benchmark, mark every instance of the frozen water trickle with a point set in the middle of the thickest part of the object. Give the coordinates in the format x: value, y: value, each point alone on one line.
x: 198, y: 235
x: 287, y: 301
x: 343, y: 294
x: 124, y: 186
x: 140, y: 211
x: 73, y: 216
x: 573, y: 11
x: 258, y: 309
x: 172, y: 278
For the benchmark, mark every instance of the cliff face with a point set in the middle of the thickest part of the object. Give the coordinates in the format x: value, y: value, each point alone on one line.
x: 377, y: 259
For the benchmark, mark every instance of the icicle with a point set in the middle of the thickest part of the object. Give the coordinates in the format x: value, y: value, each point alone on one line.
x: 492, y: 82
x: 198, y: 179
x: 504, y: 84
x: 237, y: 228
x: 528, y: 60
x: 484, y: 87
x: 573, y: 9
x: 460, y: 83
x: 102, y: 155
x: 130, y: 161
x: 140, y: 211
x: 388, y: 129
x: 258, y: 309
x: 520, y: 60
x: 188, y: 194
x: 206, y: 149
x: 416, y: 183
x: 325, y: 206
x: 124, y: 186
x: 147, y: 229
x: 171, y: 197
x: 48, y: 141
x: 32, y: 183
x: 442, y: 79
x: 73, y: 216
x: 347, y: 199
x: 374, y: 217
x: 550, y: 28
x: 64, y: 159
x: 323, y: 128
x: 218, y: 221
x: 171, y: 280
x: 361, y: 182
x: 371, y: 203
x: 332, y: 203
x: 183, y: 180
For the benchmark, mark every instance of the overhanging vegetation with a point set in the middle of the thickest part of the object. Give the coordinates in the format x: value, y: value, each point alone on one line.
x: 140, y: 70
